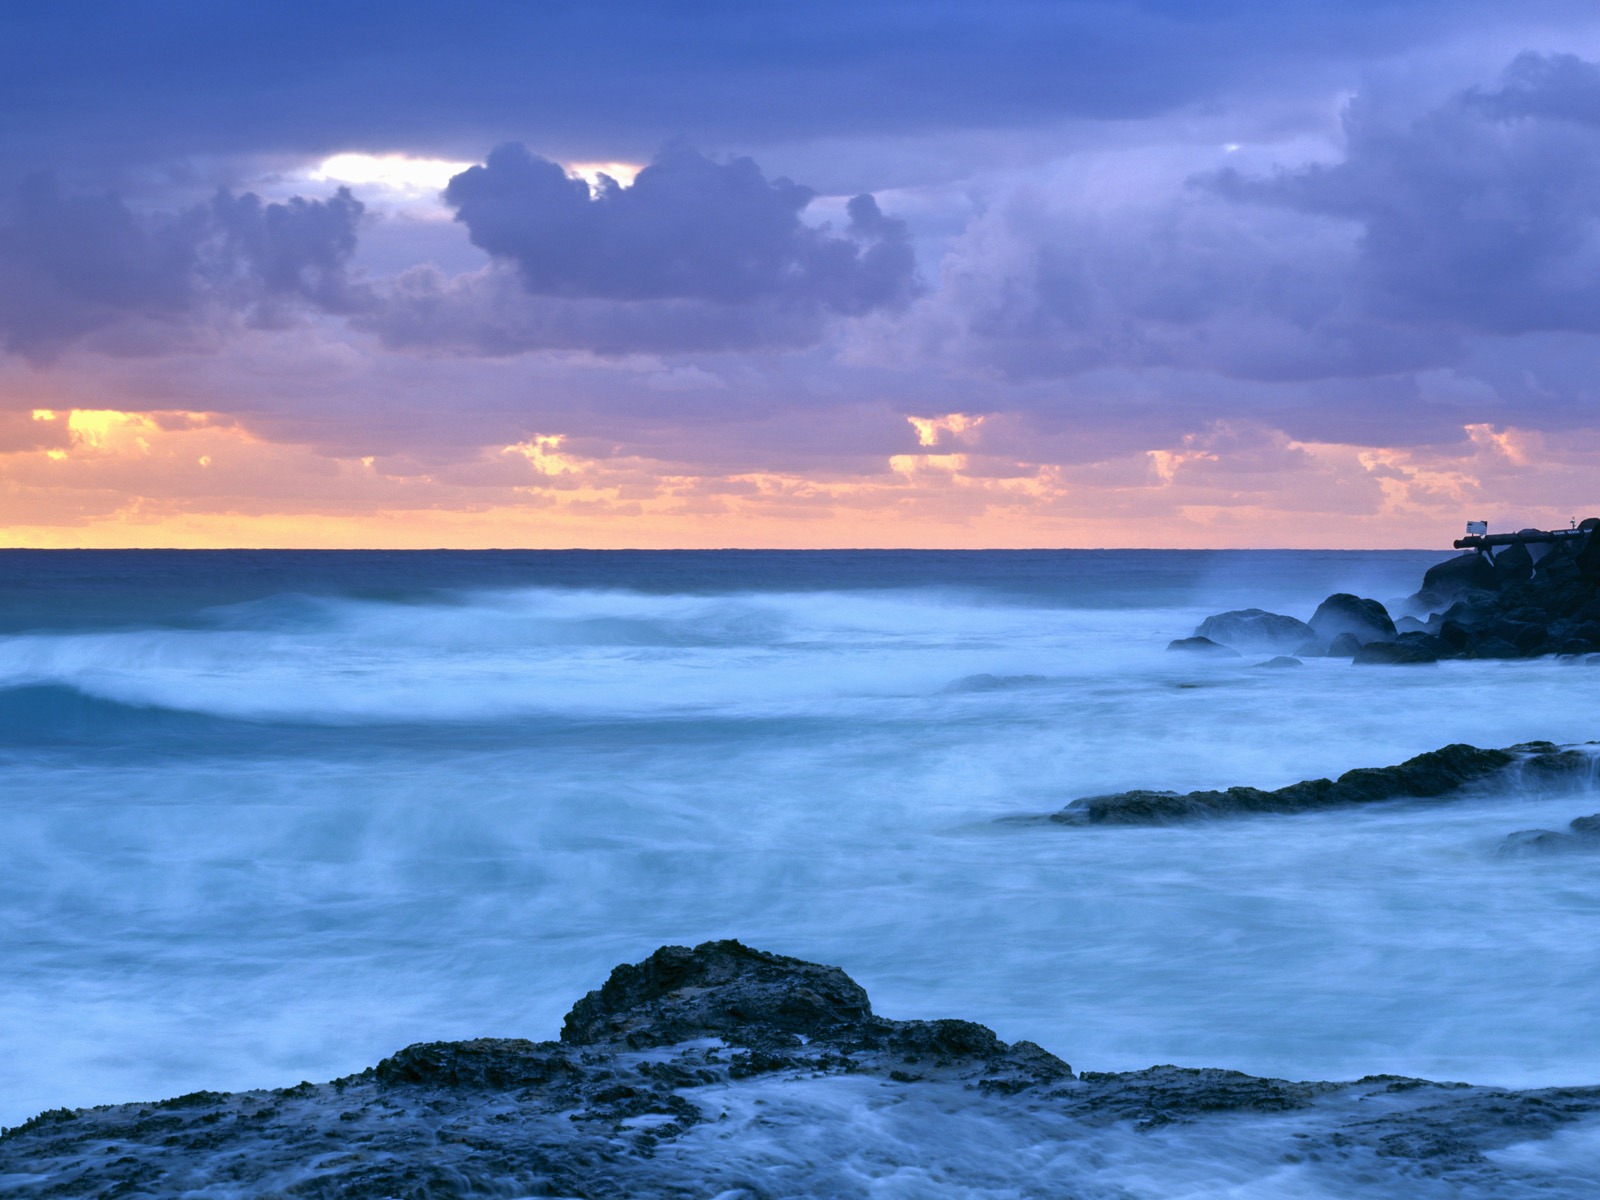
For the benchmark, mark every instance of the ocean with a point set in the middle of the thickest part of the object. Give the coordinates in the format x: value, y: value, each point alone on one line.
x: 269, y: 816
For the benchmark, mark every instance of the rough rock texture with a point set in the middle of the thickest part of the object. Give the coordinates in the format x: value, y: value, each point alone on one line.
x: 707, y: 1072
x: 1255, y: 629
x: 1343, y: 613
x: 1539, y: 766
x: 1528, y: 600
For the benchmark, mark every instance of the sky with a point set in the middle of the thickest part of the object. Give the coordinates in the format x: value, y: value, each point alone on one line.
x: 1163, y: 273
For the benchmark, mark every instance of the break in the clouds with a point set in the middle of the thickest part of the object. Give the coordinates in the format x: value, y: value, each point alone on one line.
x: 962, y: 264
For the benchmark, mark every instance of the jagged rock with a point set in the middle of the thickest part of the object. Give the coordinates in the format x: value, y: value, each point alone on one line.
x: 1344, y: 613
x: 1202, y: 645
x: 1427, y: 776
x: 1255, y: 629
x: 731, y: 1112
x: 717, y: 988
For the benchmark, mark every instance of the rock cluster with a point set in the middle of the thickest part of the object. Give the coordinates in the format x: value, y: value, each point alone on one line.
x: 1533, y: 766
x: 1524, y: 600
x: 697, y: 1073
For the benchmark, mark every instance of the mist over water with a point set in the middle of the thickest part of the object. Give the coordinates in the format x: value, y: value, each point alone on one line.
x: 271, y: 817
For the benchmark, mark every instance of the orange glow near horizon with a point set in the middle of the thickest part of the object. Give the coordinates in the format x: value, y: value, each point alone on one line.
x: 103, y: 478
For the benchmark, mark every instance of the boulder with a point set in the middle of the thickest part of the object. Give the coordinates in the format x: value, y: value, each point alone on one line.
x: 713, y: 990
x: 1344, y: 646
x: 1344, y: 613
x: 1202, y: 645
x: 1449, y: 580
x: 1255, y: 629
x: 1282, y: 660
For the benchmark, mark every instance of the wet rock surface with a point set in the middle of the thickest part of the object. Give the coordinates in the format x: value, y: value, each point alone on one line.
x: 1256, y: 629
x: 1449, y: 771
x: 677, y: 1075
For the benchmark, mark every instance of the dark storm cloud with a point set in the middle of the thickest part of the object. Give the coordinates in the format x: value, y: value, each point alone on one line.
x: 687, y: 229
x: 1435, y: 235
x: 97, y: 82
x: 695, y: 255
x: 73, y: 263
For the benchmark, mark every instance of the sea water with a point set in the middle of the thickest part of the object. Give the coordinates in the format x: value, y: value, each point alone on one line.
x: 270, y: 816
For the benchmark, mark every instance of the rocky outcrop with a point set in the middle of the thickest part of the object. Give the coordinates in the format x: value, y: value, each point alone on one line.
x: 1256, y: 629
x: 717, y: 1071
x: 1524, y: 599
x: 1342, y: 613
x: 1539, y: 766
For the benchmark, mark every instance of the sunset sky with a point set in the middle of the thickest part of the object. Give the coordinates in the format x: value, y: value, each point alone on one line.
x: 878, y: 273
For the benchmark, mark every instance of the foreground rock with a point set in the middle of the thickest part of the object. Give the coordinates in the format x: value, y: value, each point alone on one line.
x: 729, y: 1072
x: 1452, y: 770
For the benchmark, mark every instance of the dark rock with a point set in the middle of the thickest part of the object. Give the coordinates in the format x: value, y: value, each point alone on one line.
x: 1282, y: 660
x: 1344, y: 646
x: 1491, y: 647
x: 1168, y: 1091
x: 1437, y: 773
x: 1454, y: 634
x: 1396, y: 654
x: 1202, y: 645
x: 1514, y: 564
x: 1449, y: 580
x: 1581, y: 835
x: 485, y: 1063
x: 1255, y: 629
x: 1412, y: 625
x: 593, y: 1118
x: 1344, y: 613
x: 678, y: 994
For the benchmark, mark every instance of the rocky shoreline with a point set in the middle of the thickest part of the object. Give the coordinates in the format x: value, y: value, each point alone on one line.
x: 1531, y: 599
x: 709, y: 1071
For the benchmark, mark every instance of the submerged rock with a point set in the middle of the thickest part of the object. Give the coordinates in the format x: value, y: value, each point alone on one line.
x: 1202, y: 645
x: 728, y: 1071
x: 1582, y: 834
x: 1255, y: 629
x: 1443, y: 772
